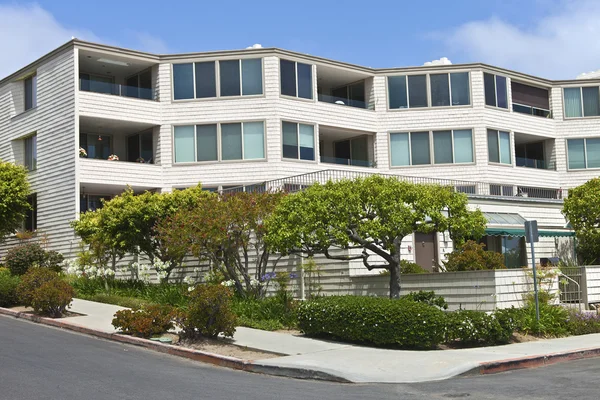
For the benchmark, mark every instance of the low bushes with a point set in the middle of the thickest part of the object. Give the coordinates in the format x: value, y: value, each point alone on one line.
x: 583, y: 323
x: 472, y: 256
x: 476, y: 328
x: 271, y: 313
x: 44, y: 291
x: 19, y: 259
x: 208, y: 312
x: 427, y: 298
x: 146, y: 322
x: 384, y: 322
x: 8, y: 288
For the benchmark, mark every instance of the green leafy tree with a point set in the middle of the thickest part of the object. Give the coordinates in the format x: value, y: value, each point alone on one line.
x: 472, y: 256
x: 127, y: 224
x: 228, y: 230
x: 582, y: 210
x: 374, y: 214
x: 14, y: 190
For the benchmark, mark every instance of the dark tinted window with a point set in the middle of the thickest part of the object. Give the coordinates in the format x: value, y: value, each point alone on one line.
x: 288, y: 77
x: 205, y: 80
x: 417, y: 91
x: 183, y: 81
x: 230, y: 77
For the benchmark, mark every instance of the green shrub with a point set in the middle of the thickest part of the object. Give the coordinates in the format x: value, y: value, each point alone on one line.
x: 19, y: 259
x: 149, y: 321
x: 407, y: 267
x: 428, y: 298
x: 553, y: 320
x: 208, y: 313
x: 31, y: 281
x: 380, y: 321
x: 471, y: 256
x: 476, y: 328
x: 8, y: 288
x: 583, y: 323
x: 167, y: 293
x: 52, y: 298
x: 270, y: 313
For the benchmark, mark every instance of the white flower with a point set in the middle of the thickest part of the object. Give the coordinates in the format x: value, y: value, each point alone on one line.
x: 189, y: 280
x: 191, y: 288
x: 228, y: 283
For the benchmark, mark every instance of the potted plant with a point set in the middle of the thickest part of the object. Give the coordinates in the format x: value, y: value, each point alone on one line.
x: 140, y: 160
x: 82, y: 152
x: 113, y: 157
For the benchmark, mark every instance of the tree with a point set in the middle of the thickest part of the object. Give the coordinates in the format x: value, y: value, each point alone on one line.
x: 374, y: 214
x: 228, y: 230
x: 582, y: 210
x: 14, y: 190
x: 127, y: 224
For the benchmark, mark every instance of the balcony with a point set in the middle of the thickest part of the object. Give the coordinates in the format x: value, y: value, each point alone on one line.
x: 533, y: 151
x: 345, y: 147
x: 118, y: 175
x: 344, y: 88
x: 533, y: 163
x: 530, y: 100
x: 97, y: 86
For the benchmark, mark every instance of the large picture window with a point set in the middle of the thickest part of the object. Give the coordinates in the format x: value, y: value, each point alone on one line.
x: 581, y: 102
x: 583, y: 153
x: 450, y: 89
x: 407, y: 91
x: 219, y: 142
x: 495, y: 90
x: 239, y: 77
x: 499, y: 147
x: 298, y: 141
x: 414, y: 148
x: 296, y: 79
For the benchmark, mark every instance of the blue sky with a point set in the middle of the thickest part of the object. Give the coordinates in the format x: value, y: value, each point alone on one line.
x: 549, y: 38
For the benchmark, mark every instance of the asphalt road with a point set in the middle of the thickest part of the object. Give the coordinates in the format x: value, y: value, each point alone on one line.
x: 40, y: 362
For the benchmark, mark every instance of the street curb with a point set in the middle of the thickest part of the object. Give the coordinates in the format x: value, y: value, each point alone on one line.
x: 494, y: 367
x: 196, y: 355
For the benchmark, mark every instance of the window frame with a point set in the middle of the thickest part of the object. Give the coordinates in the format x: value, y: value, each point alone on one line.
x: 219, y: 143
x: 508, y: 83
x: 218, y: 79
x: 34, y: 158
x: 585, y: 154
x: 34, y: 212
x: 312, y: 76
x: 432, y: 162
x: 112, y: 143
x: 428, y: 90
x: 511, y: 147
x: 139, y: 135
x: 564, y: 110
x: 33, y: 79
x: 317, y: 153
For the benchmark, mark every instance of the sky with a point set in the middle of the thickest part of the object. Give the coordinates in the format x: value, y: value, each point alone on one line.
x: 556, y: 39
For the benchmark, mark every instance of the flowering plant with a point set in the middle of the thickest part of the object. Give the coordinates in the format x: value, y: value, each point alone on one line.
x: 87, y: 271
x: 140, y: 160
x: 113, y: 157
x: 82, y: 152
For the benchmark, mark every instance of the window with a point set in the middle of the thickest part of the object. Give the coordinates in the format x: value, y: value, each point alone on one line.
x: 495, y: 90
x: 97, y: 83
x: 296, y: 79
x: 206, y: 79
x: 530, y: 100
x: 407, y: 91
x: 583, y: 153
x: 30, y: 223
x: 96, y: 146
x: 88, y: 202
x: 238, y: 141
x: 499, y: 147
x: 581, y: 102
x: 139, y: 85
x: 449, y: 89
x: 242, y: 77
x: 352, y: 95
x: 31, y: 92
x: 298, y: 141
x: 139, y: 147
x: 413, y: 148
x: 31, y: 153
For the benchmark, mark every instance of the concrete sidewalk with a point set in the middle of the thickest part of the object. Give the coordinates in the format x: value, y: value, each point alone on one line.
x: 364, y: 364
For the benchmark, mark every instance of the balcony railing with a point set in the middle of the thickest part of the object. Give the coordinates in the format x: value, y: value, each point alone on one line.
x: 472, y: 189
x: 525, y: 109
x: 88, y: 85
x: 347, y: 161
x: 342, y: 101
x: 533, y: 163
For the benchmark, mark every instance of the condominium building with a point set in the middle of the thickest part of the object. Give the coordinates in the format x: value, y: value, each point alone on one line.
x: 88, y: 120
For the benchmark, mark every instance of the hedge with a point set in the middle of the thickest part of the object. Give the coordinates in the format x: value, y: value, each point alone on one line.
x: 384, y: 322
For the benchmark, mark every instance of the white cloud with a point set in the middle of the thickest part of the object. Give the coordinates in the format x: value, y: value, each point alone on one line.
x: 440, y: 61
x: 558, y: 46
x: 27, y: 32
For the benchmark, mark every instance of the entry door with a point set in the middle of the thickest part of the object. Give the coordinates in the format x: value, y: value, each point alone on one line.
x: 425, y: 250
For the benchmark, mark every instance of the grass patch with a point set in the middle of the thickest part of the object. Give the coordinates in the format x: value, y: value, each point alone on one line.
x: 117, y: 300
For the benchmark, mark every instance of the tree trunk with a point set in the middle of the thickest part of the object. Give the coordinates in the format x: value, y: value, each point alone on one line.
x: 395, y: 281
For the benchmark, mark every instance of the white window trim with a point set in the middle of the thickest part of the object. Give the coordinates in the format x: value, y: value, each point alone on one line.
x: 219, y: 143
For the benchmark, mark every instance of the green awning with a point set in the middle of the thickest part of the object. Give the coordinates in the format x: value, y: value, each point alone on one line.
x: 521, y: 232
